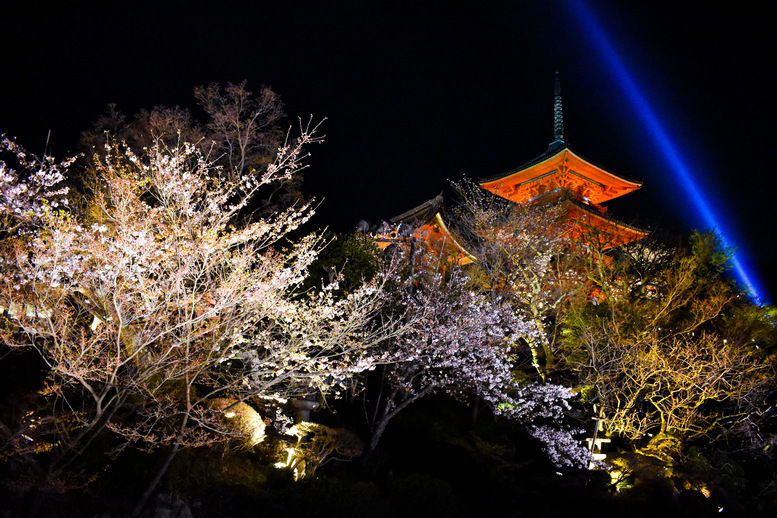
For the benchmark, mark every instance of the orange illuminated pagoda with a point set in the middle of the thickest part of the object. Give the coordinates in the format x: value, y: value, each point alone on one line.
x: 562, y: 174
x: 558, y: 175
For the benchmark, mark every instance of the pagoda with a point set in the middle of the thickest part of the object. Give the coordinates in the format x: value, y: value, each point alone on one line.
x: 560, y: 174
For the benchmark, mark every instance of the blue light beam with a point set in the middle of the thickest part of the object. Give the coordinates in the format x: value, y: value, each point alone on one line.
x: 662, y: 140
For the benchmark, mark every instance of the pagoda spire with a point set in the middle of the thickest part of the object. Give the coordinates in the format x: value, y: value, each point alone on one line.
x: 558, y: 114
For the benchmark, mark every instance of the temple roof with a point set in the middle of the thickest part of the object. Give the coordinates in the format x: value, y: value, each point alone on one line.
x: 560, y: 168
x: 421, y: 214
x: 428, y: 229
x: 590, y: 224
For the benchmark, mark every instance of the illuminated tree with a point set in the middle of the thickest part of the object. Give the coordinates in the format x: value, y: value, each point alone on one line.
x: 241, y: 134
x: 158, y: 297
x: 522, y: 262
x: 659, y: 349
x: 29, y: 187
x: 458, y: 341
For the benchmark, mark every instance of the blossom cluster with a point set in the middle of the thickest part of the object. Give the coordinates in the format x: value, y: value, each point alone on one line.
x: 460, y: 341
x: 162, y: 279
x: 29, y: 186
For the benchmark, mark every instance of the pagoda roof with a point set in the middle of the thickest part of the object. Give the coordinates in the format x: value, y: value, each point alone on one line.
x: 588, y: 219
x: 428, y: 228
x: 560, y: 168
x: 421, y: 214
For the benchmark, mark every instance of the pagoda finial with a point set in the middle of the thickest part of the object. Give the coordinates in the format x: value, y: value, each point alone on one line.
x: 558, y: 115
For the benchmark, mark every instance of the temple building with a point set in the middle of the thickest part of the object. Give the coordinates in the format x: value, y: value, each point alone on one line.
x: 422, y: 228
x: 558, y: 175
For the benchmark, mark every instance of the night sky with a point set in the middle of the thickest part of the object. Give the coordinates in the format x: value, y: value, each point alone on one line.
x: 416, y: 93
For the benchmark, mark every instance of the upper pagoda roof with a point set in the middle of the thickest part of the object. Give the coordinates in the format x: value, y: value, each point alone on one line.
x: 560, y: 168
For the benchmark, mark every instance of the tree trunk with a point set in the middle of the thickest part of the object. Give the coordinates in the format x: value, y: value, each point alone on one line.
x: 380, y: 426
x: 157, y: 478
x: 475, y: 411
x: 374, y: 439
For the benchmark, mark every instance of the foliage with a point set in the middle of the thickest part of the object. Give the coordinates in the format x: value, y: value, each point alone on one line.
x: 662, y: 348
x: 160, y: 296
x: 349, y: 259
x: 457, y: 340
x: 522, y: 262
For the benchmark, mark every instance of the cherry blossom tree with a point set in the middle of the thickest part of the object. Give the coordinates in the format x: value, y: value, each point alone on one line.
x: 29, y: 187
x: 158, y: 296
x: 523, y: 262
x: 458, y: 341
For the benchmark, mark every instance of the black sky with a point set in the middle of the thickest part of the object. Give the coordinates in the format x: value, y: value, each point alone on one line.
x: 419, y: 92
